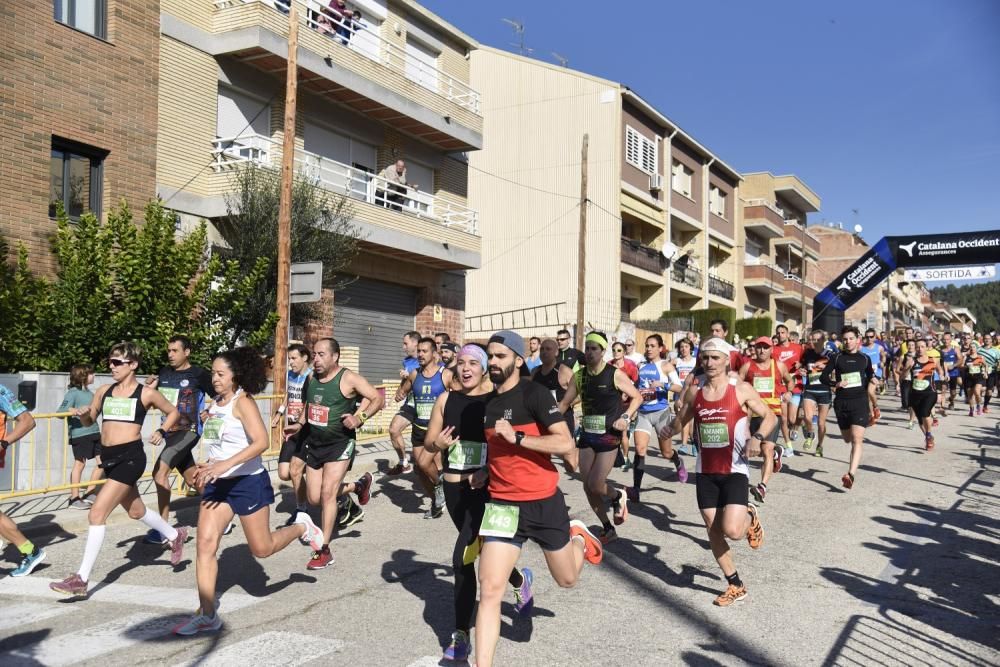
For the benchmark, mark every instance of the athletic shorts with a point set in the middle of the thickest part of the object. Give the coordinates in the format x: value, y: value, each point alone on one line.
x: 993, y: 381
x: 973, y: 380
x: 796, y: 399
x: 177, y: 448
x: 953, y: 383
x: 545, y: 522
x: 291, y: 447
x: 720, y: 490
x: 246, y: 494
x: 609, y: 441
x: 922, y: 403
x: 853, y: 412
x: 652, y: 422
x: 755, y: 423
x: 408, y: 412
x: 417, y: 435
x: 818, y: 396
x: 124, y: 463
x: 86, y: 447
x: 317, y: 457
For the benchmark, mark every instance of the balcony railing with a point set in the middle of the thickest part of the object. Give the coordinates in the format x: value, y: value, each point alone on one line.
x: 357, y: 36
x: 720, y: 287
x: 766, y: 204
x: 641, y: 256
x: 686, y: 275
x: 795, y: 230
x: 346, y: 180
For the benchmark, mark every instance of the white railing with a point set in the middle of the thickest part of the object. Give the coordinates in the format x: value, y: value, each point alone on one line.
x: 765, y: 203
x: 350, y: 181
x: 359, y: 37
x: 801, y: 228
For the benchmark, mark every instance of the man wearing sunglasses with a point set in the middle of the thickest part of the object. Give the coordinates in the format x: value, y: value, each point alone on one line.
x: 568, y: 355
x: 871, y: 349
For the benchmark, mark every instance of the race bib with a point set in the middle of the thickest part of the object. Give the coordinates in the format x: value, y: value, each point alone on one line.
x: 294, y: 409
x: 466, y: 455
x: 921, y: 385
x: 713, y: 436
x: 594, y: 424
x: 318, y: 415
x: 212, y: 431
x: 648, y: 395
x: 975, y: 369
x: 171, y: 394
x: 851, y: 380
x: 424, y: 411
x: 764, y: 385
x: 119, y: 409
x: 499, y: 521
x: 814, y: 378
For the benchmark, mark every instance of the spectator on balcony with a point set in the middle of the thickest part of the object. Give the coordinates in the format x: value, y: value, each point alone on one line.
x: 283, y: 6
x: 337, y: 19
x: 396, y: 184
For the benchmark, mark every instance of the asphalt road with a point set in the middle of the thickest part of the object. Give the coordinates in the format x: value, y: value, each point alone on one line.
x: 903, y: 569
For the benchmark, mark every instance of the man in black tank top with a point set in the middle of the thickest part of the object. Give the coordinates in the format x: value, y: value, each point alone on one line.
x: 554, y: 376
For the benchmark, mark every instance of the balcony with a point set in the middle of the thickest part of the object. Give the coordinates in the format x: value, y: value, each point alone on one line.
x: 795, y: 290
x: 764, y: 218
x: 797, y: 236
x: 763, y: 277
x: 721, y: 288
x: 352, y: 65
x: 686, y: 276
x: 643, y: 257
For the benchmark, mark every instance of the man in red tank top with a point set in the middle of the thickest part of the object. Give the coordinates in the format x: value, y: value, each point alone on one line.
x: 789, y: 354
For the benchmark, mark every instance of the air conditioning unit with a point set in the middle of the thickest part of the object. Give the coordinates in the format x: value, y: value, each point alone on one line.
x: 656, y: 182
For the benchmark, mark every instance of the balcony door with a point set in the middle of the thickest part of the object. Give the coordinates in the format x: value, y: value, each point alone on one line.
x: 242, y: 127
x: 342, y: 163
x: 421, y: 64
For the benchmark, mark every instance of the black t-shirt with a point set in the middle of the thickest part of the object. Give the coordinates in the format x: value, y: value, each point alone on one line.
x: 466, y: 414
x: 856, y: 369
x: 570, y: 357
x: 186, y: 390
x: 550, y: 381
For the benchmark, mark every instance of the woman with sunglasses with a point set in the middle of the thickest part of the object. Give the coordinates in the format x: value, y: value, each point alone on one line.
x: 627, y: 366
x: 123, y: 406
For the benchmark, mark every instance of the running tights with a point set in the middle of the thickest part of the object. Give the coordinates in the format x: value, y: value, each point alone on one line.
x: 638, y: 470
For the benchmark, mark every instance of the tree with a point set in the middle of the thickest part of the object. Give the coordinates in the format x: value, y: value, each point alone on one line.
x: 321, y: 231
x: 982, y: 300
x: 23, y: 302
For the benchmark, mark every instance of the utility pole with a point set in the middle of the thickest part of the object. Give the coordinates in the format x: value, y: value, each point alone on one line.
x: 581, y: 280
x: 802, y: 286
x: 285, y: 212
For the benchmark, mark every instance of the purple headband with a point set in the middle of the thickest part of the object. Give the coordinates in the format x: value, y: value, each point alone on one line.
x: 476, y: 352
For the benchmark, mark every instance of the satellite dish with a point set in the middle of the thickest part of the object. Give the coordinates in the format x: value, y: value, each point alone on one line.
x: 858, y: 229
x: 669, y: 250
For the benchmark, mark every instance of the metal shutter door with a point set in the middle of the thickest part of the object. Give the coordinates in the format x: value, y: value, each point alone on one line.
x: 373, y: 316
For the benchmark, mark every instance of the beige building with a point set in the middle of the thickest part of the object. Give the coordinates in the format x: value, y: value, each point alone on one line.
x: 780, y: 253
x: 654, y: 194
x: 395, y: 85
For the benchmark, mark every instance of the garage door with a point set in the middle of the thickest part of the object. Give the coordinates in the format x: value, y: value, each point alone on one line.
x: 373, y: 316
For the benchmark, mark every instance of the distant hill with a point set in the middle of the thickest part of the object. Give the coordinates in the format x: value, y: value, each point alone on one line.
x: 982, y: 300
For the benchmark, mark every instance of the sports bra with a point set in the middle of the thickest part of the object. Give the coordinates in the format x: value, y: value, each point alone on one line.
x: 127, y: 410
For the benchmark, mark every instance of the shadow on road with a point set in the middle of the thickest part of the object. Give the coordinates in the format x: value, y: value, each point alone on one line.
x: 25, y: 645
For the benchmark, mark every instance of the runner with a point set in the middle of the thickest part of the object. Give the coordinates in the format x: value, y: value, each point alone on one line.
x: 991, y: 356
x: 337, y: 402
x: 123, y: 406
x: 685, y: 364
x: 235, y: 481
x: 600, y: 387
x: 568, y: 355
x: 523, y: 430
x: 555, y: 377
x: 656, y: 379
x: 15, y: 411
x: 770, y: 379
x: 440, y: 339
x: 632, y: 354
x: 921, y: 369
x: 874, y: 351
x: 850, y: 374
x: 533, y: 360
x: 407, y: 413
x: 976, y: 374
x: 719, y: 410
x: 905, y: 350
x: 817, y: 397
x: 85, y: 440
x: 789, y: 354
x: 185, y: 386
x: 456, y: 430
x: 291, y: 459
x: 449, y: 361
x: 953, y: 361
x: 624, y: 364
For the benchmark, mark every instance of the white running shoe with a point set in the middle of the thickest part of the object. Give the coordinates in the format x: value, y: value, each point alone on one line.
x: 199, y: 623
x: 313, y: 535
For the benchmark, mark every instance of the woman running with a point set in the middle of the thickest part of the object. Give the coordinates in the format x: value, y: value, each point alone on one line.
x: 685, y: 364
x: 456, y: 429
x: 627, y: 366
x: 816, y: 397
x: 234, y: 480
x: 123, y: 406
x: 920, y: 369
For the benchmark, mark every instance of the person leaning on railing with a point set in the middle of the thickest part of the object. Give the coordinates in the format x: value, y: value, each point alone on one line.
x: 396, y: 183
x: 11, y: 408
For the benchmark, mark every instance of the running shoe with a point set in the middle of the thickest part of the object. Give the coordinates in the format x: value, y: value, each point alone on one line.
x: 819, y: 451
x: 807, y: 444
x: 732, y: 594
x: 524, y: 599
x: 364, y: 488
x: 29, y: 563
x: 89, y: 502
x: 434, y: 512
x: 979, y: 410
x: 847, y: 480
x: 779, y: 452
x: 72, y: 585
x: 313, y: 536
x: 78, y: 504
x: 795, y: 435
x: 400, y: 468
x: 632, y: 493
x: 154, y: 537
x: 229, y: 528
x: 971, y: 411
x: 439, y: 494
x: 788, y: 452
x: 608, y: 535
x: 755, y: 532
x: 682, y: 473
x: 320, y: 559
x: 910, y: 424
x: 353, y: 515
x: 459, y: 649
x: 626, y: 466
x: 198, y: 623
x: 621, y: 508
x: 759, y: 492
x: 929, y: 442
x: 592, y: 550
x: 935, y: 423
x: 177, y: 546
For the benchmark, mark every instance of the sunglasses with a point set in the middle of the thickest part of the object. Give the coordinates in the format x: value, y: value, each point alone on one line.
x: 115, y: 363
x: 562, y: 340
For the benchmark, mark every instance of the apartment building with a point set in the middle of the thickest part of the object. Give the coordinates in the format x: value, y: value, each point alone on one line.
x: 77, y: 114
x: 391, y: 85
x: 780, y: 251
x: 661, y: 212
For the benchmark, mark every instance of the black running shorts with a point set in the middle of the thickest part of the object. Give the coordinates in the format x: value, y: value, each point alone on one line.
x: 717, y: 491
x: 317, y: 457
x: 124, y: 463
x: 291, y: 447
x: 544, y: 522
x: 922, y: 403
x: 855, y: 411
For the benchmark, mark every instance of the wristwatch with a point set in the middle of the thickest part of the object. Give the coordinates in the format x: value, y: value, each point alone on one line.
x: 4, y: 444
x: 518, y: 437
x: 626, y: 416
x: 161, y: 432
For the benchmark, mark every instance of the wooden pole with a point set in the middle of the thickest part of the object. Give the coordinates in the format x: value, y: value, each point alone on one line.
x: 285, y: 211
x: 802, y: 287
x: 581, y: 284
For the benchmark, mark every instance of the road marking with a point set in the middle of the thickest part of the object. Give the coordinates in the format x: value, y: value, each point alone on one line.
x: 91, y: 642
x: 298, y: 650
x: 25, y: 613
x: 427, y: 661
x: 162, y: 597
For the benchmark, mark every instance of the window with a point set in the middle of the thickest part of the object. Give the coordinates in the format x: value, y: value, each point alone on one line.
x: 85, y: 15
x: 680, y: 179
x: 421, y: 64
x: 717, y: 201
x: 640, y: 152
x: 75, y: 178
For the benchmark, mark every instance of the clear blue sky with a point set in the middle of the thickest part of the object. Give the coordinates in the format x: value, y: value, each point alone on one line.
x: 890, y: 107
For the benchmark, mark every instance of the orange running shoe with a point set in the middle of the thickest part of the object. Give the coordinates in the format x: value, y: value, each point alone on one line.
x: 732, y: 594
x: 592, y: 550
x: 755, y: 532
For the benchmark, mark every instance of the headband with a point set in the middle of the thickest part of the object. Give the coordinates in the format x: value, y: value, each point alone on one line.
x: 594, y: 337
x: 476, y: 353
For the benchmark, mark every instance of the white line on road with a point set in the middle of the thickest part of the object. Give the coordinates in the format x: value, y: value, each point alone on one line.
x: 26, y: 613
x: 427, y: 661
x: 271, y: 648
x: 185, y: 599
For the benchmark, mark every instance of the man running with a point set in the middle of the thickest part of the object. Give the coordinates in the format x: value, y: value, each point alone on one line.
x: 186, y: 387
x: 719, y: 409
x: 24, y: 423
x: 600, y: 387
x: 952, y: 361
x: 817, y: 397
x: 555, y: 377
x: 568, y: 354
x: 770, y: 379
x: 524, y: 428
x: 789, y: 354
x: 407, y: 413
x: 991, y: 357
x: 448, y: 353
x: 874, y: 351
x: 921, y: 369
x: 850, y: 374
x: 337, y: 402
x: 291, y: 459
x: 976, y: 374
x: 656, y: 379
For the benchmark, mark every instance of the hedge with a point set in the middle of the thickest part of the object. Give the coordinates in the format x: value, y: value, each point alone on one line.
x: 701, y: 319
x: 754, y: 327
